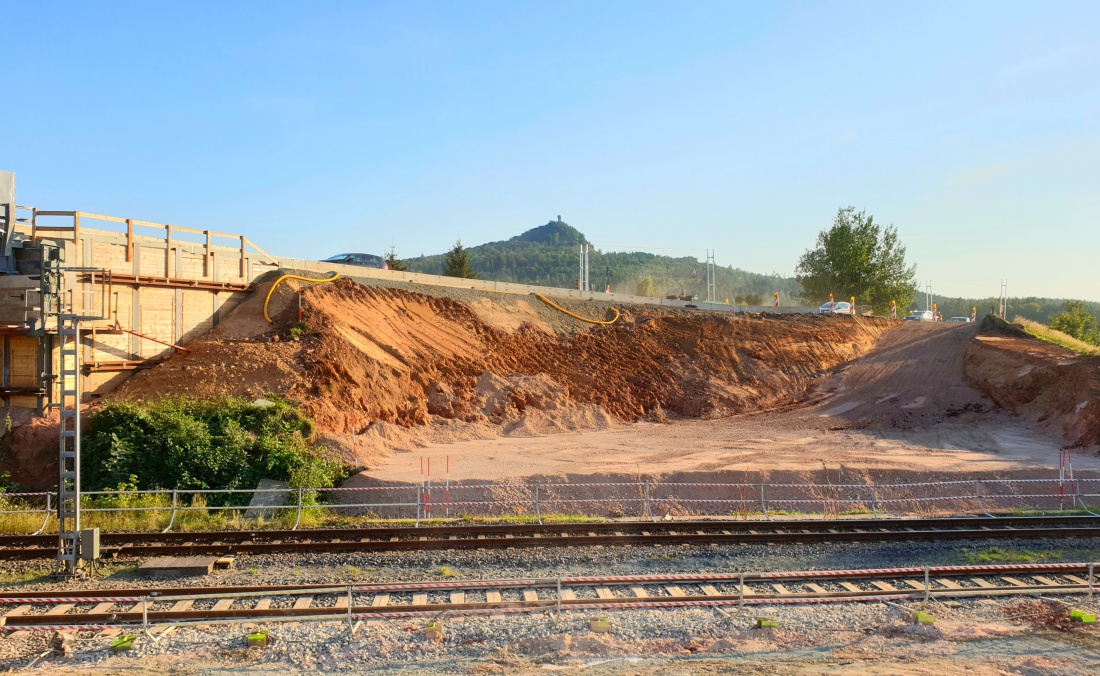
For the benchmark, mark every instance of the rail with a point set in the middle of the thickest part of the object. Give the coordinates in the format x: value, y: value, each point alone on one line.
x: 640, y: 500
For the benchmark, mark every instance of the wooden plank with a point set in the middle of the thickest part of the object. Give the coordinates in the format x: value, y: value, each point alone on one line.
x: 1076, y: 580
x: 492, y: 597
x: 342, y: 602
x: 61, y: 609
x: 458, y: 597
x: 568, y: 595
x: 1045, y: 580
x: 709, y: 590
x: 850, y: 587
x: 420, y: 599
x: 264, y: 604
x: 19, y: 610
x: 950, y: 584
x: 915, y: 584
x: 380, y: 600
x: 816, y: 588
x: 673, y: 590
x: 224, y: 604
x: 884, y: 586
x: 102, y: 608
x: 530, y: 595
x: 781, y: 590
x: 639, y: 592
x: 982, y: 583
x: 1014, y: 582
x: 604, y: 593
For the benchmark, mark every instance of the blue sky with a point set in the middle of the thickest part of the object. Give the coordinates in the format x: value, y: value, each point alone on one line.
x: 317, y: 127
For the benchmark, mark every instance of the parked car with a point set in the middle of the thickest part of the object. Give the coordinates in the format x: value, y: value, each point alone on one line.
x: 361, y: 259
x: 841, y: 308
x: 960, y: 320
x: 920, y: 316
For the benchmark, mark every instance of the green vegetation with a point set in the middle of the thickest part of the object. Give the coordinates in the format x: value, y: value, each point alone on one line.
x: 179, y: 443
x: 444, y: 571
x: 856, y: 257
x: 1001, y: 555
x: 1050, y: 335
x: 547, y: 256
x: 457, y: 263
x: 1077, y: 323
x: 394, y: 262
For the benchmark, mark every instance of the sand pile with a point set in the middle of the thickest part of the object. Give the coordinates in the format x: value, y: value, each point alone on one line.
x: 405, y: 368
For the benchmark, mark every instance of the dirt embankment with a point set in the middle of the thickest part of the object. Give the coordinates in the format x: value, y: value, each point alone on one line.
x: 383, y: 360
x: 1038, y: 381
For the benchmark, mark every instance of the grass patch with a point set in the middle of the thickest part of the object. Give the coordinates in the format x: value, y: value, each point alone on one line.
x: 444, y: 571
x: 25, y: 576
x: 1044, y: 332
x: 1002, y: 555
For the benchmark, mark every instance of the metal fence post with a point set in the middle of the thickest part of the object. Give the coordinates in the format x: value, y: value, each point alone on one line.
x: 741, y: 590
x: 419, y: 501
x: 1092, y: 578
x: 874, y: 501
x: 648, y: 502
x: 299, y: 519
x: 764, y: 505
x: 927, y: 585
x: 978, y: 497
x: 538, y: 511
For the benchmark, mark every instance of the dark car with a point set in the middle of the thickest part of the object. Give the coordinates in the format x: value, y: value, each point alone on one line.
x: 363, y: 259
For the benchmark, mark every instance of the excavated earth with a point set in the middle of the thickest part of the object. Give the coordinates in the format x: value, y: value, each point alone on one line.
x: 377, y: 364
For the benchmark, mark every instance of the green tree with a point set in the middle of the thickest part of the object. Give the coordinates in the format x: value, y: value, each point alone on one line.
x: 1077, y: 322
x: 857, y: 257
x: 646, y: 288
x: 457, y: 263
x: 394, y: 262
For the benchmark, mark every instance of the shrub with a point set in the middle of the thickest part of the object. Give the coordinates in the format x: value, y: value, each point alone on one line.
x: 179, y: 443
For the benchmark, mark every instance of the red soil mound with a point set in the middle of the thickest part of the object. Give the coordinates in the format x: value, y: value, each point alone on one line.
x: 377, y: 354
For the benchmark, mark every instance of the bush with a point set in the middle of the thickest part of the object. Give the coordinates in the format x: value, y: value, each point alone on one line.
x: 179, y: 443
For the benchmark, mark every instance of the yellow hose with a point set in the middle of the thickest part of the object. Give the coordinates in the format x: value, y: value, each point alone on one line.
x: 304, y: 279
x: 583, y: 319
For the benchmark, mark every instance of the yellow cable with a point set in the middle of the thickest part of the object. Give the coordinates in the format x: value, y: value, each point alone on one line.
x: 583, y: 319
x: 304, y: 279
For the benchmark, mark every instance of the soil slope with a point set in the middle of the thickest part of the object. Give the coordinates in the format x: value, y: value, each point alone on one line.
x: 382, y: 355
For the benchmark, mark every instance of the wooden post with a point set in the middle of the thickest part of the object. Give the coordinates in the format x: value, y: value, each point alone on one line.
x: 34, y: 223
x: 129, y: 240
x: 242, y: 256
x: 168, y: 252
x: 206, y: 255
x: 76, y: 225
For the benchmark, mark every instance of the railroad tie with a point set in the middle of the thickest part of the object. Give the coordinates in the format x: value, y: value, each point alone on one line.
x: 224, y: 604
x: 341, y: 603
x: 530, y: 595
x: 262, y: 604
x: 709, y: 590
x: 639, y: 592
x: 493, y: 597
x: 60, y: 609
x: 101, y: 608
x: 420, y: 599
x: 852, y: 588
x: 675, y: 591
x: 915, y: 584
x: 568, y: 595
x: 378, y: 602
x: 816, y: 588
x: 1013, y: 581
x: 604, y: 593
x: 781, y: 590
x: 982, y: 583
x: 1045, y: 580
x: 458, y: 597
x: 1076, y: 580
x: 884, y: 586
x: 303, y: 602
x: 950, y: 584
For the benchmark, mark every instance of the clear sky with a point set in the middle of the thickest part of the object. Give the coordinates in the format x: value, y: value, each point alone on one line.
x: 319, y: 127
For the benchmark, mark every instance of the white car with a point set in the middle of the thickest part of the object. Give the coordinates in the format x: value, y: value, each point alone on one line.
x: 841, y: 308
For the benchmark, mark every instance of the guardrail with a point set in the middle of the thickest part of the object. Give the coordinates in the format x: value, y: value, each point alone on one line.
x: 641, y: 500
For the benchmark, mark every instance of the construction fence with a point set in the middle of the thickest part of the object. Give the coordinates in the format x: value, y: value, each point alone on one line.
x: 534, y: 501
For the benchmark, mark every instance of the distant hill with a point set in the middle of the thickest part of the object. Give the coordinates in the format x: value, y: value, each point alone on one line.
x: 1036, y: 309
x: 548, y: 256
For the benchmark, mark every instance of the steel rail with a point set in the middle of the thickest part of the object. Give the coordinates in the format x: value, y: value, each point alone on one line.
x: 485, y: 536
x: 988, y: 580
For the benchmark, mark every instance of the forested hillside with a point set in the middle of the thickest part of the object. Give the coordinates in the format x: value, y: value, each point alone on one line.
x: 548, y: 256
x: 1040, y: 310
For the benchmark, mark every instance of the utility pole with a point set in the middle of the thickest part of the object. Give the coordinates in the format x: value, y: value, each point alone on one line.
x: 1004, y: 299
x: 710, y: 276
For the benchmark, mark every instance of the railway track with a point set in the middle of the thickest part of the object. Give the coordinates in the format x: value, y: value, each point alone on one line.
x: 120, y: 609
x: 485, y: 536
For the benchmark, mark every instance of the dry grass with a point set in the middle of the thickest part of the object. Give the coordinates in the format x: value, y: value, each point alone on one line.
x: 1044, y: 332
